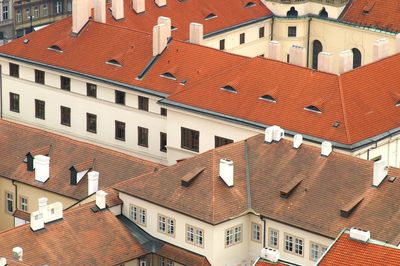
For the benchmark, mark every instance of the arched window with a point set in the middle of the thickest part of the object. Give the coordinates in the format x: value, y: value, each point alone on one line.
x: 317, y: 48
x: 323, y: 13
x: 356, y: 57
x: 292, y: 12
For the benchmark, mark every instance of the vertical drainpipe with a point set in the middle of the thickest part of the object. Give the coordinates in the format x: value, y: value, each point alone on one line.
x: 308, y: 41
x: 272, y: 28
x: 265, y: 230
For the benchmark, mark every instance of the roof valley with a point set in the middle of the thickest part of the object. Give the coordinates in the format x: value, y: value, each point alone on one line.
x: 346, y: 128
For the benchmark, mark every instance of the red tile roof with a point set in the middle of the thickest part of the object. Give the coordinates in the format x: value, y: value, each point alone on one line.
x: 381, y: 14
x: 267, y: 263
x: 329, y: 184
x: 346, y: 251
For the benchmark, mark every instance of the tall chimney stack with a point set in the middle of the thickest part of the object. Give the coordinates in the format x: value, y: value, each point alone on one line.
x: 380, y: 172
x: 297, y: 56
x: 274, y: 50
x: 160, y: 40
x: 100, y: 11
x: 93, y: 182
x: 381, y: 49
x: 117, y: 7
x: 226, y: 171
x: 138, y: 5
x: 325, y: 62
x: 101, y: 199
x: 42, y: 168
x: 345, y: 61
x: 196, y: 33
x: 79, y: 15
x: 161, y: 3
x: 167, y: 22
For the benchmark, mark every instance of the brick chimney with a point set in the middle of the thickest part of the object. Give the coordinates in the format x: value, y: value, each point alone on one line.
x: 79, y: 15
x: 297, y: 56
x: 42, y: 168
x: 93, y: 182
x: 138, y: 6
x: 345, y: 61
x: 100, y: 11
x: 325, y: 62
x: 167, y: 22
x: 226, y: 171
x: 161, y: 3
x: 117, y: 7
x: 274, y: 50
x: 160, y: 41
x: 196, y: 33
x: 380, y: 49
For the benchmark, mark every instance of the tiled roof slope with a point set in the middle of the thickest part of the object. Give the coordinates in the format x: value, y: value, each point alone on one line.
x: 82, y: 237
x: 229, y: 13
x: 113, y: 166
x: 346, y: 251
x: 329, y: 184
x: 381, y: 14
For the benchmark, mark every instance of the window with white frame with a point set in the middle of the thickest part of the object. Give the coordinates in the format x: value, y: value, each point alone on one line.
x: 9, y: 202
x: 37, y: 12
x: 45, y: 11
x: 233, y: 235
x: 5, y: 12
x: 166, y: 225
x: 294, y: 245
x: 316, y: 251
x: 273, y: 238
x: 19, y: 16
x: 256, y: 232
x: 24, y: 204
x: 166, y: 262
x: 194, y: 235
x: 58, y: 7
x: 138, y: 214
x: 28, y: 13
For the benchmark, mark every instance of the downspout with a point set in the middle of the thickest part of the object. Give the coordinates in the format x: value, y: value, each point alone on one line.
x: 272, y: 28
x: 308, y: 41
x: 265, y: 230
x: 16, y: 197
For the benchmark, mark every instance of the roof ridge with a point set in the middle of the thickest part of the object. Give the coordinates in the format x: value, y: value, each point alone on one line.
x: 344, y: 109
x: 120, y: 27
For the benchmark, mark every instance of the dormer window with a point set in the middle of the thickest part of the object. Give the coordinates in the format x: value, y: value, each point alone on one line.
x: 55, y: 48
x: 250, y: 4
x: 210, y: 16
x: 268, y: 98
x: 313, y: 108
x: 173, y: 28
x: 397, y: 104
x: 168, y: 75
x: 229, y: 88
x: 114, y: 63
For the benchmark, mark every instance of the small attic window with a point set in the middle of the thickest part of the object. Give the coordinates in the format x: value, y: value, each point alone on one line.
x: 26, y: 41
x: 173, y: 28
x: 114, y: 63
x: 55, y: 48
x: 250, y: 4
x: 397, y: 104
x: 183, y: 82
x: 268, y: 98
x: 229, y: 88
x: 168, y: 75
x: 210, y: 16
x: 313, y: 108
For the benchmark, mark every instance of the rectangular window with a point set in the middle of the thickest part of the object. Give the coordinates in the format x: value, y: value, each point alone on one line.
x: 166, y: 225
x: 219, y: 141
x: 65, y: 83
x: 261, y: 32
x: 14, y: 70
x: 28, y: 13
x: 120, y: 97
x: 138, y: 215
x: 120, y: 130
x: 242, y: 38
x: 39, y: 109
x: 233, y: 235
x: 24, y: 203
x: 39, y: 76
x: 9, y: 202
x: 5, y: 12
x: 37, y: 12
x: 294, y: 245
x: 19, y: 16
x: 143, y: 137
x: 163, y: 111
x: 163, y: 142
x: 273, y: 238
x: 222, y: 44
x: 58, y: 7
x: 45, y: 11
x: 256, y: 232
x: 316, y: 251
x: 292, y: 31
x: 65, y: 116
x: 91, y: 90
x: 194, y: 235
x: 14, y: 102
x: 91, y: 123
x: 190, y: 139
x: 166, y: 262
x: 143, y: 103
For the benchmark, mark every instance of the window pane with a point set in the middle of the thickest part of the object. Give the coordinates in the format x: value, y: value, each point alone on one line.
x: 119, y: 130
x: 163, y: 142
x: 14, y: 102
x: 65, y: 83
x: 143, y: 103
x: 190, y: 139
x: 220, y: 141
x: 143, y: 136
x: 65, y: 116
x: 14, y: 70
x: 120, y: 97
x: 91, y: 123
x: 39, y: 109
x: 39, y: 76
x: 91, y: 90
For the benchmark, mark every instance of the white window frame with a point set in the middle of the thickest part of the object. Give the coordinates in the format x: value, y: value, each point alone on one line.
x: 273, y: 235
x: 165, y: 262
x: 5, y: 12
x: 138, y: 214
x: 256, y: 231
x: 19, y: 15
x: 24, y: 203
x: 296, y: 244
x: 233, y: 235
x: 316, y: 250
x: 194, y: 235
x: 166, y: 225
x: 9, y: 198
x: 36, y: 12
x: 45, y: 10
x: 58, y: 7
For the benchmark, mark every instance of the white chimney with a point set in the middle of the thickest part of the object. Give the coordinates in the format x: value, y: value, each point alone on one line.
x: 297, y: 56
x: 101, y: 199
x: 345, y: 61
x: 359, y: 234
x: 270, y: 254
x: 274, y: 133
x: 161, y: 3
x: 274, y: 50
x: 93, y: 182
x: 279, y: 133
x: 398, y: 42
x: 17, y: 253
x: 325, y: 62
x: 226, y: 171
x: 117, y: 7
x: 100, y: 11
x: 326, y: 148
x: 42, y: 168
x: 380, y: 172
x: 3, y: 261
x: 79, y: 15
x: 37, y: 221
x: 160, y: 40
x: 138, y: 5
x: 297, y: 141
x: 167, y: 22
x: 54, y: 212
x: 196, y: 33
x: 381, y: 49
x: 42, y: 204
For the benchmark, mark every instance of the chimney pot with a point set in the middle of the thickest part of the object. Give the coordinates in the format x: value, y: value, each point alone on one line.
x: 79, y: 15
x: 101, y: 199
x: 161, y: 3
x: 297, y: 56
x: 325, y: 62
x: 196, y: 33
x: 345, y: 61
x: 117, y: 7
x: 274, y: 50
x: 297, y: 141
x: 138, y: 5
x: 381, y: 49
x: 326, y: 148
x: 226, y: 171
x: 100, y: 11
x: 160, y: 41
x: 17, y: 253
x: 42, y: 168
x: 167, y: 22
x: 380, y: 172
x: 93, y: 182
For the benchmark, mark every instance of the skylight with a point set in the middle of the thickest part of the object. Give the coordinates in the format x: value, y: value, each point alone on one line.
x: 168, y: 75
x: 114, y: 62
x: 313, y: 108
x: 268, y: 98
x: 210, y: 16
x: 55, y: 48
x: 250, y: 4
x: 229, y: 88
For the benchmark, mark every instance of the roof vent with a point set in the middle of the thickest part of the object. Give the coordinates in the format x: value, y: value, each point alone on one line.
x: 114, y: 62
x: 3, y: 261
x: 297, y: 141
x: 55, y: 48
x: 168, y: 75
x: 161, y: 3
x: 380, y: 172
x: 313, y: 108
x: 42, y: 168
x: 187, y: 179
x: 326, y: 148
x: 17, y: 253
x: 380, y: 49
x: 270, y: 254
x: 101, y: 199
x: 250, y: 4
x: 226, y: 171
x: 274, y: 133
x: 229, y: 88
x: 26, y: 41
x: 268, y: 98
x: 359, y: 234
x: 210, y: 16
